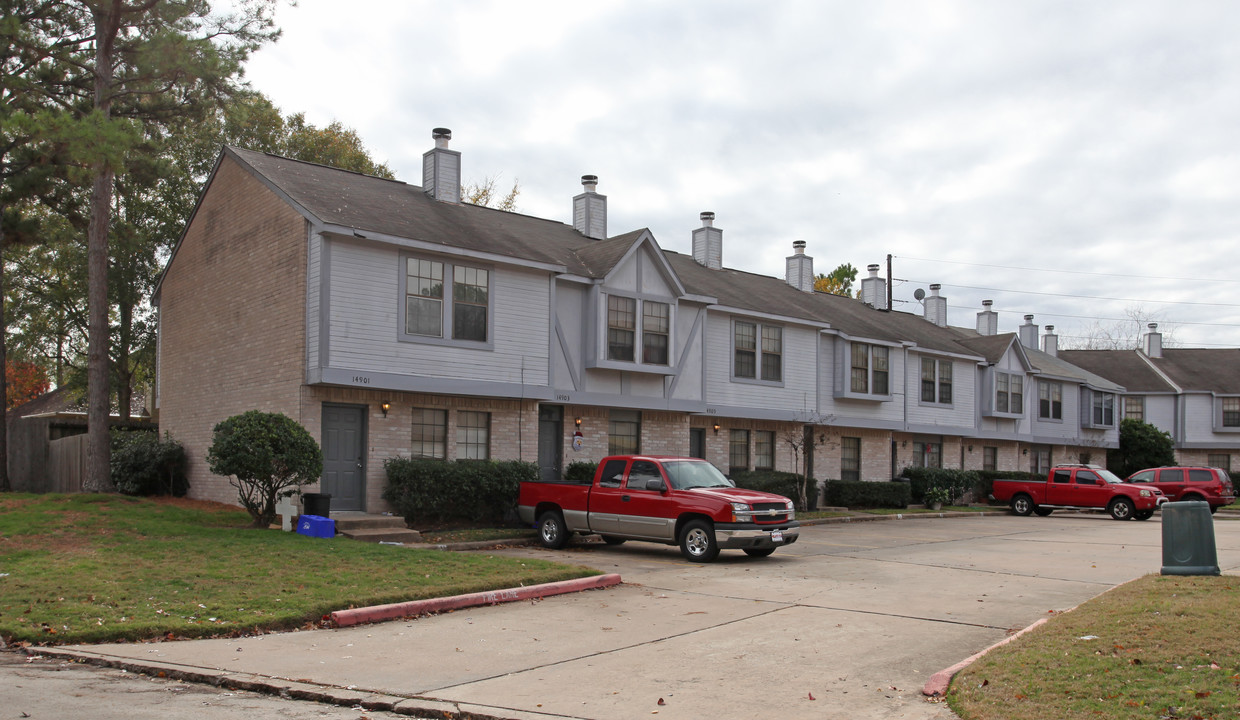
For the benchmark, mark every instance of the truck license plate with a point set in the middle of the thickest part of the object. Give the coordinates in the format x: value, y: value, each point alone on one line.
x: 777, y: 536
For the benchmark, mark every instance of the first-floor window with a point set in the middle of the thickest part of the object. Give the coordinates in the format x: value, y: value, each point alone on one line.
x: 990, y: 458
x: 1040, y: 460
x: 473, y: 435
x: 1050, y: 400
x: 764, y: 450
x: 928, y: 454
x: 1134, y: 407
x: 936, y: 381
x: 738, y: 450
x: 624, y: 430
x: 850, y: 458
x: 1219, y: 461
x: 430, y: 433
x: 1231, y: 412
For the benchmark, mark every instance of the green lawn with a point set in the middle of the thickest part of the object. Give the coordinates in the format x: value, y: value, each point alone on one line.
x: 1158, y: 647
x: 96, y: 568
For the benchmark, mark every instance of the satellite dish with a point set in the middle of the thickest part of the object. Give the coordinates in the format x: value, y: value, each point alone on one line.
x: 919, y: 294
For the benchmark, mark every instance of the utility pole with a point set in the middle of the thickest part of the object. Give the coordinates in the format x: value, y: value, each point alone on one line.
x: 889, y: 281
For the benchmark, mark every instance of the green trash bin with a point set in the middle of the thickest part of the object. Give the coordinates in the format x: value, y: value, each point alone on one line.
x: 1188, y: 539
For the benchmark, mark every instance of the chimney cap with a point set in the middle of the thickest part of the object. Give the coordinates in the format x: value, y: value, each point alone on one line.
x: 444, y: 133
x: 1029, y: 319
x: 1050, y: 328
x: 589, y: 179
x: 798, y: 247
x: 987, y: 303
x: 872, y: 267
x: 1153, y: 326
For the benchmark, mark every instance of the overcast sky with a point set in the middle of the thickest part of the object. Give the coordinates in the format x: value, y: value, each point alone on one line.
x: 1077, y: 161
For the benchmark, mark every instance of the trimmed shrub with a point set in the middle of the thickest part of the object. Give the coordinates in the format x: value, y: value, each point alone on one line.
x: 142, y: 464
x: 986, y: 480
x: 474, y: 491
x: 863, y: 494
x: 955, y: 482
x: 266, y: 456
x: 580, y: 472
x: 772, y: 481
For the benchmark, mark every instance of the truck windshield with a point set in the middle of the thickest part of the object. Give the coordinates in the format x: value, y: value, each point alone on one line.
x: 685, y: 474
x: 1108, y: 476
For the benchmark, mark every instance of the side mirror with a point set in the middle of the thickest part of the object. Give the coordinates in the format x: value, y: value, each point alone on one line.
x: 655, y: 484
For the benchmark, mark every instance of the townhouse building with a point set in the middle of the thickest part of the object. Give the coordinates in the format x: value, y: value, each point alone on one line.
x: 394, y: 320
x: 1193, y: 394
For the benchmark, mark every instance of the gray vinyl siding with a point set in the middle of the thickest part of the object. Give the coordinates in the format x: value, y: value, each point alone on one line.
x: 834, y: 361
x: 314, y: 277
x: 364, y: 304
x: 794, y: 395
x: 960, y: 415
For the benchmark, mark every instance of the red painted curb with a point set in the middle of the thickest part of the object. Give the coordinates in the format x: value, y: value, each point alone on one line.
x: 937, y: 685
x: 376, y: 613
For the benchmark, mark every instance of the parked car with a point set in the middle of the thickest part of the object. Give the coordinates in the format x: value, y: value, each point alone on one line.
x: 669, y: 500
x: 1079, y: 487
x: 1182, y: 484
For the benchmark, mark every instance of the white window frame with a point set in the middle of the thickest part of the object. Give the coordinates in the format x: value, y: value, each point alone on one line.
x: 448, y: 302
x: 1100, y: 404
x: 761, y: 352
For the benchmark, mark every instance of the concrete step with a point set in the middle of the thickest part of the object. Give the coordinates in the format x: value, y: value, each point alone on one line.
x: 345, y: 522
x: 397, y: 535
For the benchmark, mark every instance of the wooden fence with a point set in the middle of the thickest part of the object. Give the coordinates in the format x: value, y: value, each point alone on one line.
x: 66, y: 464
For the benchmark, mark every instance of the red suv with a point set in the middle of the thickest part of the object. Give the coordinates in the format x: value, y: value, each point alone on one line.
x: 1180, y: 484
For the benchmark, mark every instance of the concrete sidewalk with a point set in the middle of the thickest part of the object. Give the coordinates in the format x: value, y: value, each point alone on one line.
x: 850, y: 621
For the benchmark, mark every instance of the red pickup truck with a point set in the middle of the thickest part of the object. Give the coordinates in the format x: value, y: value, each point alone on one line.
x: 669, y: 500
x: 1079, y: 487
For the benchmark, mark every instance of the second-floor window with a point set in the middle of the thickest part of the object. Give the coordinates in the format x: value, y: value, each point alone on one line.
x: 870, y: 369
x: 757, y: 351
x: 1231, y: 412
x: 1050, y: 400
x: 936, y: 381
x: 1009, y: 393
x: 429, y: 302
x: 655, y: 326
x: 621, y: 327
x: 1104, y: 409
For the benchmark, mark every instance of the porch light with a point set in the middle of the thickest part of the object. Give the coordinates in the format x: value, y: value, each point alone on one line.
x: 385, y: 406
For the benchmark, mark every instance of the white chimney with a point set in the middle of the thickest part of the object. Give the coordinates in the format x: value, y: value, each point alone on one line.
x: 987, y: 319
x: 800, y: 268
x: 708, y: 243
x: 874, y: 289
x: 1050, y: 342
x: 1029, y: 333
x: 590, y: 210
x: 441, y: 169
x: 936, y: 306
x: 1153, y: 341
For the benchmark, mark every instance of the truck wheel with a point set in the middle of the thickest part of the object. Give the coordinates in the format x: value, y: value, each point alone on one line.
x: 759, y: 552
x: 1022, y: 504
x: 697, y: 541
x: 1120, y: 509
x: 1043, y: 512
x: 613, y: 540
x: 1143, y: 515
x: 551, y: 530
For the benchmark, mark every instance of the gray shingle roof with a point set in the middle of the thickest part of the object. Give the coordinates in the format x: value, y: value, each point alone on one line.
x: 1125, y: 367
x: 1216, y: 369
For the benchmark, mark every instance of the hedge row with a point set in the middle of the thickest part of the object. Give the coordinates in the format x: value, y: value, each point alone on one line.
x: 863, y: 494
x: 465, y: 490
x: 781, y: 483
x: 144, y: 464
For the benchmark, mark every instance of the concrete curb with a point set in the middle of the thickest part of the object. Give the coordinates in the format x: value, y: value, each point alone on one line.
x: 376, y: 613
x: 936, y: 686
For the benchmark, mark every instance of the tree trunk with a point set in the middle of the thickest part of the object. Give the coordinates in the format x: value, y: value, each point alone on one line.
x: 4, y: 380
x: 124, y: 368
x: 98, y: 446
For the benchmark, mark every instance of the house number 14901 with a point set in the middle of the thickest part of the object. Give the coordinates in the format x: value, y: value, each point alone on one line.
x: 361, y: 379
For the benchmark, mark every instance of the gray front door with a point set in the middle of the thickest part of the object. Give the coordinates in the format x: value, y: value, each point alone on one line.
x: 344, y: 475
x: 550, y: 442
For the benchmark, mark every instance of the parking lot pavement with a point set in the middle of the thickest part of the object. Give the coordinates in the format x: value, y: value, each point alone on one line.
x: 849, y: 621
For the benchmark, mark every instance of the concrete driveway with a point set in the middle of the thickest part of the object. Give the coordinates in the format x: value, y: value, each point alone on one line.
x: 849, y: 622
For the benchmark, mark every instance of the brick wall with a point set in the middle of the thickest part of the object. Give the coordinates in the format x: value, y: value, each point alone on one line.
x: 232, y: 318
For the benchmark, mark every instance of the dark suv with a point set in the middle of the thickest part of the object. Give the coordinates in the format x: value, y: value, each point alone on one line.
x: 1179, y: 484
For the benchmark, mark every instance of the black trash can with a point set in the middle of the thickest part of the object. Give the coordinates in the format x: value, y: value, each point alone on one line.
x: 316, y: 504
x: 1188, y: 539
